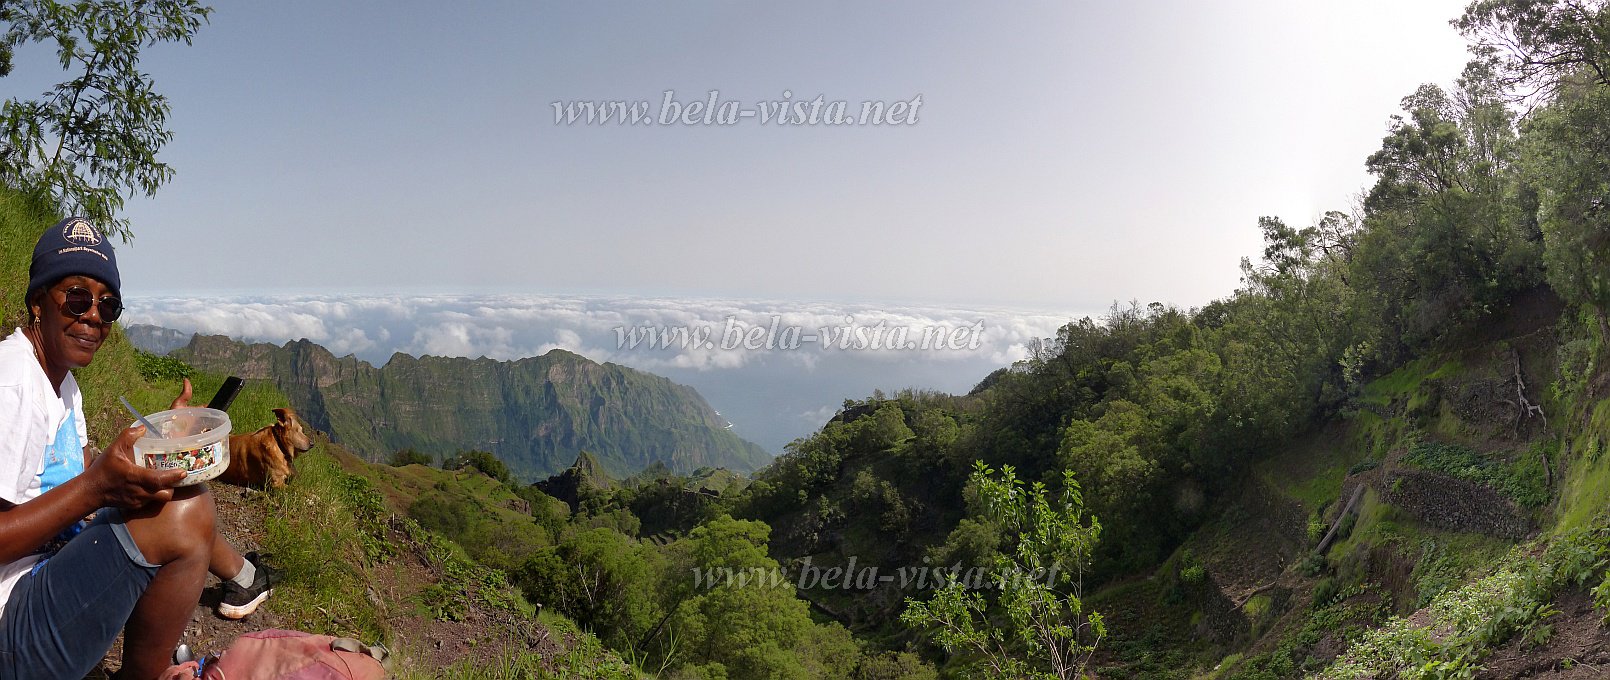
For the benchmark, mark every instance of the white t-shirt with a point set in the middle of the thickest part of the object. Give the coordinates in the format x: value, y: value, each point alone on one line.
x: 33, y: 419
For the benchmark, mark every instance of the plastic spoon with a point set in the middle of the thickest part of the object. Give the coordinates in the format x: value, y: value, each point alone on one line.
x: 149, y: 428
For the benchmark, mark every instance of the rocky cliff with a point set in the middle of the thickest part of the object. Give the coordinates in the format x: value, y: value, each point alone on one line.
x: 537, y: 414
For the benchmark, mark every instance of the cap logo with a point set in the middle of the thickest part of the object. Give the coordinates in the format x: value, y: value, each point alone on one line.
x: 81, y: 232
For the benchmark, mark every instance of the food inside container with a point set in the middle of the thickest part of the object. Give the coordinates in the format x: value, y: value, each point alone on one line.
x: 192, y: 439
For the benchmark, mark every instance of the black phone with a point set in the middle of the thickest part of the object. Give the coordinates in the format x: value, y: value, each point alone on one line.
x: 226, y: 393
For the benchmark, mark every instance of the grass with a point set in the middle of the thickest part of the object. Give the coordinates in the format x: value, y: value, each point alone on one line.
x: 1406, y: 382
x: 1586, y: 490
x: 1322, y: 488
x: 1512, y: 599
x: 319, y: 540
x: 1377, y: 522
x: 1290, y: 658
x: 21, y: 223
x: 329, y: 531
x: 586, y: 661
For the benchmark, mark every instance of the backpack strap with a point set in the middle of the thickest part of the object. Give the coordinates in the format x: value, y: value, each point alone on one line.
x: 377, y: 652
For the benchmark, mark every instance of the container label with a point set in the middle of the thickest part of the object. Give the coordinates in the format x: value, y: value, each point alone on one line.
x: 194, y: 460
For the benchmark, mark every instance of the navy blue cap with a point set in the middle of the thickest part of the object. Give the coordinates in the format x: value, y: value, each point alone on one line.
x: 73, y: 246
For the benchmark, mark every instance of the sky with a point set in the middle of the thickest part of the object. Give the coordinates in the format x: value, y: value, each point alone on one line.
x: 1054, y: 157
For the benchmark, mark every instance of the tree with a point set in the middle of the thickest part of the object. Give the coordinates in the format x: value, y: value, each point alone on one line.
x: 1045, y: 633
x: 484, y: 461
x: 92, y: 139
x: 604, y: 580
x: 885, y: 428
x: 408, y: 456
x: 1539, y: 45
x: 1567, y: 161
x: 733, y: 613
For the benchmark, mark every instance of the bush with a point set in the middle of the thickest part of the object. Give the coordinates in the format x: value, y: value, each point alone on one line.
x: 158, y: 368
x: 402, y: 457
x: 1523, y: 481
x: 1313, y: 565
x: 1325, y: 592
x: 484, y: 461
x: 1316, y: 527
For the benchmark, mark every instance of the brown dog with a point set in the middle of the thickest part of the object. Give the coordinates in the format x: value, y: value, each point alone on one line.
x: 264, y: 457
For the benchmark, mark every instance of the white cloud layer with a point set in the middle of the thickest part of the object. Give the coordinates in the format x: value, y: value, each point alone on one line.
x: 758, y: 361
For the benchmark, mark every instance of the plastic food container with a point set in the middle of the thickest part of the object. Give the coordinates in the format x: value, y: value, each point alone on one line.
x: 193, y: 439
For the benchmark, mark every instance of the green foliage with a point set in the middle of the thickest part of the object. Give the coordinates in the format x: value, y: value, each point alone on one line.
x: 441, y: 603
x: 1514, y: 599
x: 323, y: 536
x: 486, y: 462
x: 1333, y: 616
x: 1045, y: 632
x: 894, y: 666
x: 485, y: 536
x: 442, y: 405
x: 406, y: 456
x: 1363, y: 466
x: 884, y: 429
x: 1523, y: 481
x: 1445, y: 565
x: 1325, y: 592
x: 1316, y: 527
x: 155, y: 367
x: 882, y: 499
x: 935, y: 432
x: 587, y: 660
x: 1313, y: 564
x: 95, y: 136
x: 602, y: 579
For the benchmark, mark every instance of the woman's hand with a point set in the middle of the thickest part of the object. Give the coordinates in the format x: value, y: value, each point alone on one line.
x: 183, y: 399
x: 121, y: 483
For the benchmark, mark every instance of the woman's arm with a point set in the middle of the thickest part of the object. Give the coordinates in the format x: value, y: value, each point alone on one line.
x: 112, y: 479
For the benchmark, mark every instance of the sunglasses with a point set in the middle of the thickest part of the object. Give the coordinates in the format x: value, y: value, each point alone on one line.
x: 77, y: 302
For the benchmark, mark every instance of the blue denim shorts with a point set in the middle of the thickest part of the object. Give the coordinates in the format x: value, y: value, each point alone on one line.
x: 65, y: 614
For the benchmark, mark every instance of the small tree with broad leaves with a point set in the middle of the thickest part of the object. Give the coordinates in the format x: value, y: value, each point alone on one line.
x: 90, y: 141
x: 1036, y: 626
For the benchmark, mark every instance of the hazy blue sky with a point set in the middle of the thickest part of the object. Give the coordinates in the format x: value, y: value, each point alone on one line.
x: 1066, y: 154
x: 369, y: 157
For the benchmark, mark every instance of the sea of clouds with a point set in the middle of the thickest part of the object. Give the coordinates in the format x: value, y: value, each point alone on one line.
x: 776, y: 370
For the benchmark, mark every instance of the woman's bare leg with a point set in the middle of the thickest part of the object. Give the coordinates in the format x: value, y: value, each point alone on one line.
x: 179, y: 536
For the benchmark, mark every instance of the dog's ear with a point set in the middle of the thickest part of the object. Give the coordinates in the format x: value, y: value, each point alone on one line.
x: 284, y: 415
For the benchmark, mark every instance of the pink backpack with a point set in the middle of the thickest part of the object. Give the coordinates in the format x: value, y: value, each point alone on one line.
x: 288, y: 655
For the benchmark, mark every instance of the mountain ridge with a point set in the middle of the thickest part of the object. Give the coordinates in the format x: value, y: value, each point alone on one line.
x: 535, y: 413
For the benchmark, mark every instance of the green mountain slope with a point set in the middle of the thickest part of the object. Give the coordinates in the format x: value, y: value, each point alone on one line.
x: 537, y: 414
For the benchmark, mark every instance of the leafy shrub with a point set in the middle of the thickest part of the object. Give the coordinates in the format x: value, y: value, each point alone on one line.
x: 1325, y: 592
x: 402, y: 457
x: 484, y: 461
x: 1316, y: 527
x: 158, y: 368
x: 1522, y: 481
x: 442, y: 603
x: 1313, y: 565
